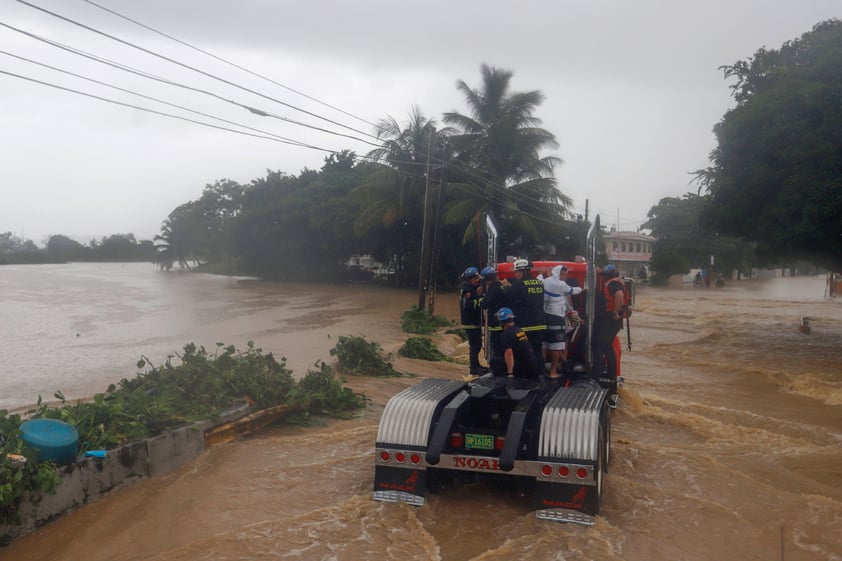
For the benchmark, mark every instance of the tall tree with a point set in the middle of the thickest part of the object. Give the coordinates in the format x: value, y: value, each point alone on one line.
x: 685, y: 241
x: 392, y: 197
x: 500, y: 152
x: 776, y: 173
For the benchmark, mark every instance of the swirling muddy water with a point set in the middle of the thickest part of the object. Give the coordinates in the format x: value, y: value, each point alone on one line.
x: 727, y: 440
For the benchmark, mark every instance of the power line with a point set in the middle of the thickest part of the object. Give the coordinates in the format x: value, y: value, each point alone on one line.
x: 179, y: 117
x: 518, y: 197
x: 235, y: 131
x: 142, y: 74
x: 202, y: 72
x: 106, y: 84
x: 228, y: 62
x: 522, y: 198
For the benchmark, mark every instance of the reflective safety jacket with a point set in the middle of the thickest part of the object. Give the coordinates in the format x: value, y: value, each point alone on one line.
x: 526, y: 298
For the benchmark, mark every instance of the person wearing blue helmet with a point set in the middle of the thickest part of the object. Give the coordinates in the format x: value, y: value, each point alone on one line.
x: 470, y: 312
x: 518, y: 356
x: 493, y: 299
x: 607, y: 324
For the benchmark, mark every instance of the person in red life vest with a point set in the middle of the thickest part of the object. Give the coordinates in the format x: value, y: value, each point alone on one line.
x: 518, y: 356
x: 607, y: 323
x: 526, y: 299
x: 470, y: 298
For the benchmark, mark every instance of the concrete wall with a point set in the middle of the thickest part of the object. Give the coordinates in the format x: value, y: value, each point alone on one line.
x: 90, y: 478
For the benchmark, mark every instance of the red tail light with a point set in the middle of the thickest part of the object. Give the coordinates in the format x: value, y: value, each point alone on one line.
x: 564, y: 471
x: 385, y: 456
x: 415, y: 459
x: 400, y: 457
x: 456, y: 440
x: 581, y: 473
x: 546, y: 470
x: 499, y: 442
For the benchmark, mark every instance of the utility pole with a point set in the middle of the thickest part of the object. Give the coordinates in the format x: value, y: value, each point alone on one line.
x: 422, y: 270
x: 434, y: 260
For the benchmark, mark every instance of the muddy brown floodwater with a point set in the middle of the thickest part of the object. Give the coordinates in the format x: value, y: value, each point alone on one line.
x: 727, y: 445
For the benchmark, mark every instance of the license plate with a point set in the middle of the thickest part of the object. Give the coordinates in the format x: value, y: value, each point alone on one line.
x: 479, y: 441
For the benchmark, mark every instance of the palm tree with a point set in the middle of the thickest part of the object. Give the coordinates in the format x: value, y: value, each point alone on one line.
x: 177, y: 242
x: 499, y: 150
x: 393, y: 196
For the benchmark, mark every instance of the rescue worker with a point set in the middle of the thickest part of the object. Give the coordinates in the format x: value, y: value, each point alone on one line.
x: 607, y: 323
x: 556, y: 307
x: 493, y: 300
x: 470, y: 298
x: 518, y: 356
x: 526, y: 298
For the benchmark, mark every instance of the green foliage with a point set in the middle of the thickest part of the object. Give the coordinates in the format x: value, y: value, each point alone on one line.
x: 319, y: 392
x: 200, y: 386
x: 500, y: 147
x: 421, y: 322
x: 19, y: 478
x: 686, y: 241
x: 358, y: 357
x: 60, y: 249
x: 776, y: 173
x: 423, y: 348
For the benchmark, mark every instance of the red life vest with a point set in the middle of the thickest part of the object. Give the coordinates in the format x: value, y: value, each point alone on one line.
x: 617, y: 284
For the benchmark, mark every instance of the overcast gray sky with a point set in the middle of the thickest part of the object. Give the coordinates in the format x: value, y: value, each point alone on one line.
x: 632, y: 93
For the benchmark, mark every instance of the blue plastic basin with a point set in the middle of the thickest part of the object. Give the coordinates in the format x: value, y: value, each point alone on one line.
x: 54, y: 440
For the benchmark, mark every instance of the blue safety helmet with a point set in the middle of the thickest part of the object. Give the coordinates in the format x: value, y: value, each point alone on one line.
x: 505, y: 314
x: 489, y: 272
x: 470, y: 273
x: 609, y: 271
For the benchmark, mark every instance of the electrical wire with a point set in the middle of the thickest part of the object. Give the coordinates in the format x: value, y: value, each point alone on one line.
x: 240, y: 132
x: 106, y: 84
x: 228, y: 62
x: 149, y: 76
x: 520, y: 196
x: 508, y: 193
x: 179, y: 117
x: 187, y: 66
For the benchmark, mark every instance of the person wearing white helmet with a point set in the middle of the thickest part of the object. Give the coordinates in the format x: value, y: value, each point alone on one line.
x: 556, y: 306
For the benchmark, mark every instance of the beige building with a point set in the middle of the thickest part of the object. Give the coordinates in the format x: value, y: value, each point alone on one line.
x: 630, y: 252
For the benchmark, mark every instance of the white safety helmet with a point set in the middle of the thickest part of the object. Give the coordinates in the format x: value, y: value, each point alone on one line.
x: 522, y: 265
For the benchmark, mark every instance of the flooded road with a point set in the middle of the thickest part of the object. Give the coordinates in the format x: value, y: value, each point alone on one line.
x: 727, y: 445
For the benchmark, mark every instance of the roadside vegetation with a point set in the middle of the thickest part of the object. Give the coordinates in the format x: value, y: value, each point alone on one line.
x: 421, y: 322
x: 194, y: 385
x: 357, y: 356
x: 423, y: 348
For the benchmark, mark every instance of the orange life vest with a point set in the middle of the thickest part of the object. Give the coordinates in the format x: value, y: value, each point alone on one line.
x: 625, y: 310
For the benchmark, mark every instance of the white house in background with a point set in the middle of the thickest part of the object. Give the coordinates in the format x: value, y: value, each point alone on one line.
x: 630, y: 252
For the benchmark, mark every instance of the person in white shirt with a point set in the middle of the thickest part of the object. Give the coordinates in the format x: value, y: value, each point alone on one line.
x: 556, y: 306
